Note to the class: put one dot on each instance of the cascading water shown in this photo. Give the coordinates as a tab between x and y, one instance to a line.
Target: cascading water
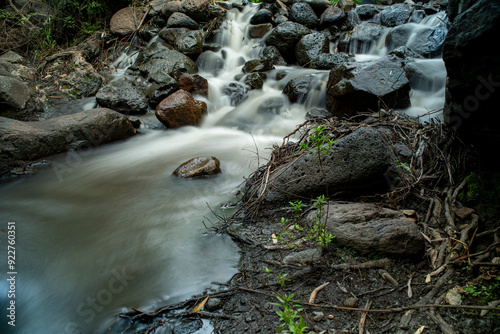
119	231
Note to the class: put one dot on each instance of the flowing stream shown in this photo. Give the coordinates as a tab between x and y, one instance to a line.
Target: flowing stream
119	231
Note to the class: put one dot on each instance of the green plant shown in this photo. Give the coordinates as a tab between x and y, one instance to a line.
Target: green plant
282	279
483	292
296	207
318	233
289	314
473	190
318	141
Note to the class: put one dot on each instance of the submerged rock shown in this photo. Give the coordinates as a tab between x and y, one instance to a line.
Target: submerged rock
198	167
285	36
299	87
370	228
34	140
310	47
180	109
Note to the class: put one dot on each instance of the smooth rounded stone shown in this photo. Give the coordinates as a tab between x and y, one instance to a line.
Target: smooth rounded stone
198	167
366	12
34	140
353	88
13	93
166	61
213	304
196	9
181	20
237	92
318	113
122	96
273	54
351	302
210	62
356	164
259	30
194	84
254	80
319	6
272	105
126	21
333	16
170	8
303	13
285	36
180	109
302	257
396	14
262	16
12	57
299	87
370	228
327	61
170	35
190	43
310	47
257	65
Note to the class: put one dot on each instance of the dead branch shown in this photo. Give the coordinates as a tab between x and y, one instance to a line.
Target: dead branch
312	298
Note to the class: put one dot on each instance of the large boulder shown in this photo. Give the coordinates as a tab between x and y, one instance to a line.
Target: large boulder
298	88
34	140
310	47
396	14
164	61
194	84
180	109
425	41
122	96
285	36
327	61
196	9
333	16
14	94
361	87
370	228
126	21
472	91
199	167
303	13
190	43
181	20
359	162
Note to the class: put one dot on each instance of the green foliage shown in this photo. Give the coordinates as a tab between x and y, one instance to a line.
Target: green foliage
318	141
290	319
296	207
318	232
483	292
473	189
282	279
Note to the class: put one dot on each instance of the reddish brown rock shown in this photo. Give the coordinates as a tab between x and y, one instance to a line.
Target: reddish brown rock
180	109
125	21
197	167
194	83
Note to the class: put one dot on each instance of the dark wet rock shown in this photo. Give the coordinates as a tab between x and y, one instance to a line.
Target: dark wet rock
210	62
303	14
170	8
257	65
148	52
14	94
285	36
428	42
361	38
333	16
224	4
165	61
170	35
319	6
272	105
370	228
259	30
180	109
360	87
157	92
213	304
188	326
34	140
318	113
190	43
304	256
396	14
405	53
472	90
310	47
194	84
196	9
157	6
417	16
327	61
366	12
126	21
217	11
262	16
357	163
198	167
122	96
298	88
237	92
181	20
254	80
273	54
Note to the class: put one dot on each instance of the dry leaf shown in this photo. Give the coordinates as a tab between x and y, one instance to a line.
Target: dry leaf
410	293
420	330
428	278
275	239
200	305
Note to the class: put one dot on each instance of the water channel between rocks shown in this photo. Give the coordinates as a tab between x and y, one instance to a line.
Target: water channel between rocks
119	231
